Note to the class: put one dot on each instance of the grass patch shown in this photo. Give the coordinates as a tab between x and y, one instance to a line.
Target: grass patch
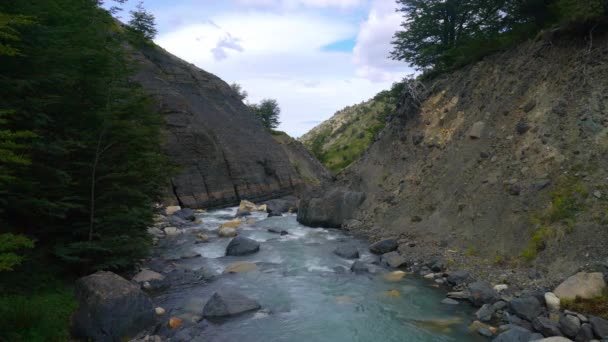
594	306
537	243
471	251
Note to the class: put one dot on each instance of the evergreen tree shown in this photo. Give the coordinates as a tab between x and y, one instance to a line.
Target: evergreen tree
143	22
267	111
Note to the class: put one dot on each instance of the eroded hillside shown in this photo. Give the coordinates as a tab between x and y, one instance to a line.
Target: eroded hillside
504	162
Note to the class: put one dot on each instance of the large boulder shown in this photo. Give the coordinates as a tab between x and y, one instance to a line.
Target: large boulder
330	211
393	259
228	303
347	252
242	246
481	292
110	308
515	334
384	246
600	326
278	206
458	277
582	284
527	308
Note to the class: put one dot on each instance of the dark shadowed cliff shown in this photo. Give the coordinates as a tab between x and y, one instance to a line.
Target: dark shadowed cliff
222	151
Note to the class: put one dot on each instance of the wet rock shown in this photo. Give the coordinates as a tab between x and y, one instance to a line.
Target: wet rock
240	213
231	224
585	333
277	207
359	267
242	246
485	332
246	205
227	232
600	326
450	301
147	275
393	259
515	334
347	252
384	246
175	322
110	308
394	276
458	277
527	308
172	231
569	325
240	267
185	214
481	292
458	295
477	130
546	326
228	303
552	301
485	313
277	231
159	311
582	284
170	210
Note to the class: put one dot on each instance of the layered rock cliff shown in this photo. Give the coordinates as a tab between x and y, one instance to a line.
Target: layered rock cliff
222	151
501	163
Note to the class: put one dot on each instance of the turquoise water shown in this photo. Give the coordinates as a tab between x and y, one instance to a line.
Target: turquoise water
306	292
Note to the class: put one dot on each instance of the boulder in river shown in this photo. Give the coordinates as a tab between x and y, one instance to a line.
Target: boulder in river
347	252
393	259
110	308
359	267
384	246
231	224
147	275
228	303
170	210
185	214
331	210
278	231
276	207
242	246
246	205
582	284
227	232
240	267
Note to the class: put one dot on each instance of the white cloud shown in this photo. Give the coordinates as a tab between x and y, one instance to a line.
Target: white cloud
371	53
279	54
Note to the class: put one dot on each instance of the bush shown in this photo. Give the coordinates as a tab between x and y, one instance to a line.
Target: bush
597	306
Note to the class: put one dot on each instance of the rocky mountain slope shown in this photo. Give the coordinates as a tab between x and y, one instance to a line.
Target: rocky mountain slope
222	151
501	166
343	138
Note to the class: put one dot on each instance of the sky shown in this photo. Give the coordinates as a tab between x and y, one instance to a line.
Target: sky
313	56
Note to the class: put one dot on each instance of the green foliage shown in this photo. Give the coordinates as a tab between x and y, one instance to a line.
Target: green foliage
40	317
597	306
80	159
441	35
239	91
267	111
143	22
9	33
10	244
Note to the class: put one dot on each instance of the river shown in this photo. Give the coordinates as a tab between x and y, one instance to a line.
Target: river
307	293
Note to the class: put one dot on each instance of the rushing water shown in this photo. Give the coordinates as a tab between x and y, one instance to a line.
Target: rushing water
306	292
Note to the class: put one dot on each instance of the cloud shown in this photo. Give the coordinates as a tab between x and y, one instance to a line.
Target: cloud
371	53
228	42
306	3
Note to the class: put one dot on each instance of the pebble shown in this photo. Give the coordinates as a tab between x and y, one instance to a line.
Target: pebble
597	194
500	287
159	311
449	301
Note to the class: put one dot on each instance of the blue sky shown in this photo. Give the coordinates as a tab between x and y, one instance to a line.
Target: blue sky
314	56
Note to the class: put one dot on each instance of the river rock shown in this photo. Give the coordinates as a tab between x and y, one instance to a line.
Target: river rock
458	277
172	231
515	334
347	252
600	326
227	232
185	214
546	326
384	246
277	207
569	325
359	267
231	224
393	259
450	301
552	301
240	267
147	275
242	246
553	339
481	292
250	206
527	308
331	210
159	311
585	333
277	231
228	303
485	313
582	284
110	308
240	213
170	210
394	276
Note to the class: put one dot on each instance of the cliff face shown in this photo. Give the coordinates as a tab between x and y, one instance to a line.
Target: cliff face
502	162
223	153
